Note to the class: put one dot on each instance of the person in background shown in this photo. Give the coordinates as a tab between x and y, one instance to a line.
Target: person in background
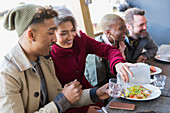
70	51
139	43
123	6
97	69
28	82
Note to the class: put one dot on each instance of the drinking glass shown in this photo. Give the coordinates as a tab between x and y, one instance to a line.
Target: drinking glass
115	88
159	81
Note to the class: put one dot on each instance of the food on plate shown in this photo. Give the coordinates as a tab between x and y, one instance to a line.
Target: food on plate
137	92
152	69
158	56
163	57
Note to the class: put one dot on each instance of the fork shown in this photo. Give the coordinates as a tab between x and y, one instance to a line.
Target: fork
123	91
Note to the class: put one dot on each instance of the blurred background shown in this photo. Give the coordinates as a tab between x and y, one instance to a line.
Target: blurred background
89	12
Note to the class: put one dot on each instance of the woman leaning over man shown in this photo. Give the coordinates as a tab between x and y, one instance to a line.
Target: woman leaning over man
70	52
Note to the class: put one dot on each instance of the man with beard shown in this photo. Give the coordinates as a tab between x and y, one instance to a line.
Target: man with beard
140	45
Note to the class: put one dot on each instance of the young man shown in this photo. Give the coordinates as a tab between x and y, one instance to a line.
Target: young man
138	41
27	79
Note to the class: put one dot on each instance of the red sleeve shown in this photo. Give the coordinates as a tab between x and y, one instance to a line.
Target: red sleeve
110	53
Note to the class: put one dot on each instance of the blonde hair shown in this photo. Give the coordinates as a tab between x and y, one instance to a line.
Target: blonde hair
108	21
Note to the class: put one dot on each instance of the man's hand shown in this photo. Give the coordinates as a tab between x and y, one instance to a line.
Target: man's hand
123	70
72	91
103	92
141	59
93	109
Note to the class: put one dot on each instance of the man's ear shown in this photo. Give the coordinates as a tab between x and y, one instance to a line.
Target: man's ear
30	34
128	26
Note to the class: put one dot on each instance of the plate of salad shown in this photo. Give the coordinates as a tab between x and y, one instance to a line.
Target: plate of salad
140	92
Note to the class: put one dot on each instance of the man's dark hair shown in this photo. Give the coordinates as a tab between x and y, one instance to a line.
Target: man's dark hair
44	13
128	16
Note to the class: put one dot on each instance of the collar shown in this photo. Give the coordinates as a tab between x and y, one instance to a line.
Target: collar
34	63
130	37
59	51
19	58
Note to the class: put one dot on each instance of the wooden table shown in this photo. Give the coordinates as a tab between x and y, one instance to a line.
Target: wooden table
159	105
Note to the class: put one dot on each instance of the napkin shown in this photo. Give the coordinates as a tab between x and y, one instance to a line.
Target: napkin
141	75
164	49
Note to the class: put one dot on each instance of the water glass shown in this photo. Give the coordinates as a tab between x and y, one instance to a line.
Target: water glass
159	81
115	88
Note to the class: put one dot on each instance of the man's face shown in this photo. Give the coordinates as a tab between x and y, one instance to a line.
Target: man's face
139	26
45	37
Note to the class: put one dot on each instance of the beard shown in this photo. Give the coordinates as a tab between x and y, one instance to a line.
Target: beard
141	34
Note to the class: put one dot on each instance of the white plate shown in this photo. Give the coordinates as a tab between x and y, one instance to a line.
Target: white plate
158	70
156	92
163	57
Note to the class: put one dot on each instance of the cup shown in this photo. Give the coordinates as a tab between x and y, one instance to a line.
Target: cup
159	81
115	88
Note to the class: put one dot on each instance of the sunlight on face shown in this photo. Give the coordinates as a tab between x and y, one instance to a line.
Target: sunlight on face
118	30
65	34
45	37
139	25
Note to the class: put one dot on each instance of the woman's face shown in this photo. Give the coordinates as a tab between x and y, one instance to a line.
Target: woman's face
65	34
118	31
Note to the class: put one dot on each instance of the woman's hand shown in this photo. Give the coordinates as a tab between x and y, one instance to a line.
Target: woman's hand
123	70
122	47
